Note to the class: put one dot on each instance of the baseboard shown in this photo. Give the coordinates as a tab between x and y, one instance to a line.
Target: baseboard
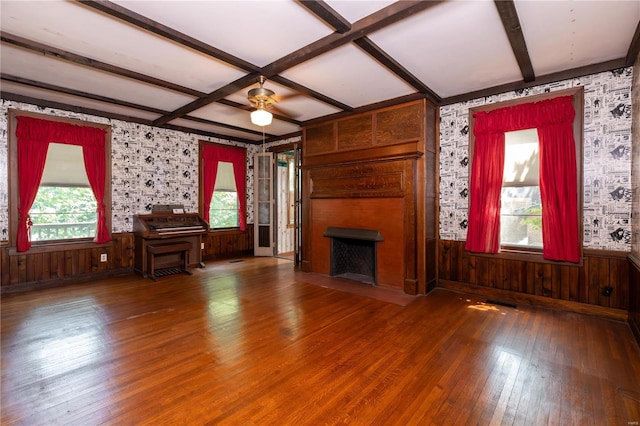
58	282
535	301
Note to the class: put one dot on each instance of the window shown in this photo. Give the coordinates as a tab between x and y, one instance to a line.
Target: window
510	207
222	185
521	208
65	207
223	210
62	181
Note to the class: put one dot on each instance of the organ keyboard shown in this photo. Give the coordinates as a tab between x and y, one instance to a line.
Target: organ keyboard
167	227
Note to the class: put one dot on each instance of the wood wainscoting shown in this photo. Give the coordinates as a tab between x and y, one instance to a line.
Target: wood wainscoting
575	288
50	266
225	244
634	296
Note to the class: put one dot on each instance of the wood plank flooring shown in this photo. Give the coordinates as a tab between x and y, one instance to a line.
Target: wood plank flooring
257	343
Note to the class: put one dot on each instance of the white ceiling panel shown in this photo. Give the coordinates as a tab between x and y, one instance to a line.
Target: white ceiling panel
453	48
353	11
29	65
363	81
259	32
76	101
565	34
80	30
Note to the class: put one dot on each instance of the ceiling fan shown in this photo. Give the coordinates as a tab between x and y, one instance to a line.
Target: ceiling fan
261	98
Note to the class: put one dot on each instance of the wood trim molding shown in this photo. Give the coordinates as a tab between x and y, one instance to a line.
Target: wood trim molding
536	301
635	260
57	282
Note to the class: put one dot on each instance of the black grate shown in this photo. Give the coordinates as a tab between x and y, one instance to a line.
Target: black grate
354	259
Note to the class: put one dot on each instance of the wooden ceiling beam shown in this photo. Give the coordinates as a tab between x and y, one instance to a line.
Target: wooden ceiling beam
310	92
511	23
157	28
325	12
111	115
214	96
386	16
394	66
79	93
93	63
377	20
549	78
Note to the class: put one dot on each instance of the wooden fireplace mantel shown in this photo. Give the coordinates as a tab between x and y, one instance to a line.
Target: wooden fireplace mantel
375	170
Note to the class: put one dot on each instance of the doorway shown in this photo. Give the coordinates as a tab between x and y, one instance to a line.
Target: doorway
287	203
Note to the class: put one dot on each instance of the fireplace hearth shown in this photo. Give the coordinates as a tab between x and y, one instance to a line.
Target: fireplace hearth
354	253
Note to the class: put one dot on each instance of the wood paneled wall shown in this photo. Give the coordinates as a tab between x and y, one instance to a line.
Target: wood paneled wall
570	287
375	170
225	244
634	296
47	267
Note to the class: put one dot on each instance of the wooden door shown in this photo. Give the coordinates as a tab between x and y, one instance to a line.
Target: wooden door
263	204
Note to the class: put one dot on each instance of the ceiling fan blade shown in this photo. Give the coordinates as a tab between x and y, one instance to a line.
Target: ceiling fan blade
280	111
280	98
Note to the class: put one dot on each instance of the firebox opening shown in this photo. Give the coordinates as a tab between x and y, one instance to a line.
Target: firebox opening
353	253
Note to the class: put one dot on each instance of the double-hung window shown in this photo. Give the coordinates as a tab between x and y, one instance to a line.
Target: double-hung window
65	207
61	181
222	185
521	208
525	187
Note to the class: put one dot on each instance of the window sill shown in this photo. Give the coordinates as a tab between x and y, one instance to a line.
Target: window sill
53	246
227	231
528	254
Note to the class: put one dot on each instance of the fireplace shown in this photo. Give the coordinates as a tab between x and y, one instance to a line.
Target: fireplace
353	253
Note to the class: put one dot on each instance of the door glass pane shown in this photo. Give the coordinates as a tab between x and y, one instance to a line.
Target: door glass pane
263	190
263	213
263	167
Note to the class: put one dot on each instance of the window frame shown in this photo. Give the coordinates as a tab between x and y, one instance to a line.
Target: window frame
201	145
14	196
577	93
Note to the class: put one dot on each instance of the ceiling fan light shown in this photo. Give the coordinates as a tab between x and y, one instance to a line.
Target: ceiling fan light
261	117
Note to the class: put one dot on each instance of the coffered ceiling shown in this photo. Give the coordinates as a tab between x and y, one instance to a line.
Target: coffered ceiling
188	65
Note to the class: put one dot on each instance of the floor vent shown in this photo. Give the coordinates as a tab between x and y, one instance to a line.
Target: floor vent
236	261
500	303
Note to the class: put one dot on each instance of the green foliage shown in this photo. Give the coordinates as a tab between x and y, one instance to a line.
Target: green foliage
57	204
534	221
224	210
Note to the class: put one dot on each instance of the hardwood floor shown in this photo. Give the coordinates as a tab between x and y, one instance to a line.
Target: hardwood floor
257	343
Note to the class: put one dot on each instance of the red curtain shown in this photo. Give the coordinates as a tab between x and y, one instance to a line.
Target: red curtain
558	192
558	175
212	155
483	232
34	136
95	166
32	155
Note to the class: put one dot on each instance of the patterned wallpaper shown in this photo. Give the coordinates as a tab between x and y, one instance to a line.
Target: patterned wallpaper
149	166
607	158
635	163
